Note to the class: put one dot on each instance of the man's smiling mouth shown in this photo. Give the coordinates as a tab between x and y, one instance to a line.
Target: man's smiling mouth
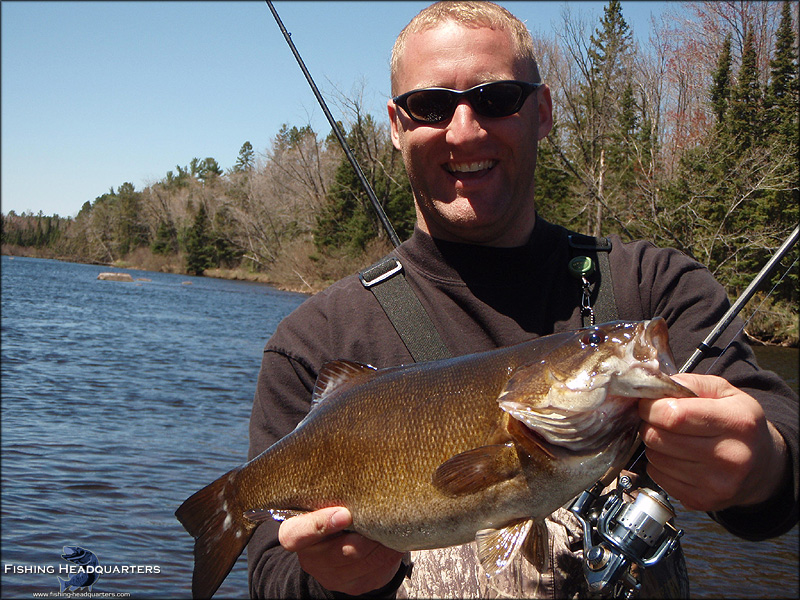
469	167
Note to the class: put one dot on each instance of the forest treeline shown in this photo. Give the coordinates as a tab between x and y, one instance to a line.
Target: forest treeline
689	140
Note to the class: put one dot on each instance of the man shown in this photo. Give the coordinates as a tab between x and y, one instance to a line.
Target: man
490	273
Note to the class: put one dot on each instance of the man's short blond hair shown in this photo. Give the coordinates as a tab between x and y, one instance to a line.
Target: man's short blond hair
468	14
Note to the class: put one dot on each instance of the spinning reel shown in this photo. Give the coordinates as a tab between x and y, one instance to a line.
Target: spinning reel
622	536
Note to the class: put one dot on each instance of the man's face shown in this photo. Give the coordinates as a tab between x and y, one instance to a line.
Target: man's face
472	176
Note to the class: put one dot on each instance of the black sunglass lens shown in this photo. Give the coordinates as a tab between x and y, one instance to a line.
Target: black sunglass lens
430	106
498	99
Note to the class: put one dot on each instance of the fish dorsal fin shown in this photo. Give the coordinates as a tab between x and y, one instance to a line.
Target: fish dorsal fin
477	469
339	375
497	547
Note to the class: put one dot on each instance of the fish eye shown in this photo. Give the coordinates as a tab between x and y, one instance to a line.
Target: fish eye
593	338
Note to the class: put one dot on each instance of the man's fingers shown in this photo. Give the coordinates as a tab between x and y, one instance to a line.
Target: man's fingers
303	531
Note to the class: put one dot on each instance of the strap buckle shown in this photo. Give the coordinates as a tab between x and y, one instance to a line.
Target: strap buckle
381	271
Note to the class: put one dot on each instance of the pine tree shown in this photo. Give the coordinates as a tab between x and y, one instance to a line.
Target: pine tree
779	205
599	129
745	121
130	233
166	239
348	221
554	198
246	161
781	98
199	244
721	86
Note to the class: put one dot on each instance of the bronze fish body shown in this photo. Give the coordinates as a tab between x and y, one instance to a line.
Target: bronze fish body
428	455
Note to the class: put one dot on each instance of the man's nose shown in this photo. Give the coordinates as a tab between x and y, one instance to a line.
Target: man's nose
465	124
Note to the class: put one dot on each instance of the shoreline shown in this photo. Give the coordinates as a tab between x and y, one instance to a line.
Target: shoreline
168	266
173	264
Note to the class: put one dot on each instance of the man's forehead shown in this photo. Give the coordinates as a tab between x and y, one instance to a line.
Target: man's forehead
442	45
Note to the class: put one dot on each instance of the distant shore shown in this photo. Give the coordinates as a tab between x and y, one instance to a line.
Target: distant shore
770	326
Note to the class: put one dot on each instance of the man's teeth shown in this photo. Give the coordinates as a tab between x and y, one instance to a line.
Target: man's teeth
470	167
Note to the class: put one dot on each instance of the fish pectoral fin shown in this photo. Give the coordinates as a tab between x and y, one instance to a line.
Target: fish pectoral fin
536	548
497	547
258	515
477	469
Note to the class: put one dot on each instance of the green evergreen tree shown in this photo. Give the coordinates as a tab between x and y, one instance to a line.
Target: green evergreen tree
553	183
223	231
246	160
721	86
781	101
746	109
599	128
734	198
131	232
782	97
166	241
199	244
621	154
348	221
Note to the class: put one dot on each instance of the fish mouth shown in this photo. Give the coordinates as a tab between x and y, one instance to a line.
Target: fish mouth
650	364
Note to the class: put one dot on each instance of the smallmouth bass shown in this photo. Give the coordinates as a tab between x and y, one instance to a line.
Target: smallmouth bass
428	455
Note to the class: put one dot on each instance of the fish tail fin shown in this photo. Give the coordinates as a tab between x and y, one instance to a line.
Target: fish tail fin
221	531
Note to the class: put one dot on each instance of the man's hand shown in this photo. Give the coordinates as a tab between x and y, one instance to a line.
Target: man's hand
714	451
340	561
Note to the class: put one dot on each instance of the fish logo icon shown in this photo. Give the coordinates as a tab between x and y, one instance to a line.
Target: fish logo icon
87	573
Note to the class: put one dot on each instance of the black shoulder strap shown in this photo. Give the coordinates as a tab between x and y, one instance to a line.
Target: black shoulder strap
386	281
604	303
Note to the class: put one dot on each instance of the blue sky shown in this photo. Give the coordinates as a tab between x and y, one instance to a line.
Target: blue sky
95	94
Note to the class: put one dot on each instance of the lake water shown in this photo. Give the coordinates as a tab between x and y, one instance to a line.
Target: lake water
121	399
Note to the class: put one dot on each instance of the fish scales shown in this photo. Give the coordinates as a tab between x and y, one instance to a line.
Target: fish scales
435	454
377	462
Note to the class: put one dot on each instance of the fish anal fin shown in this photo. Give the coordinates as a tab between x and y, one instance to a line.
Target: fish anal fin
497	547
536	548
258	515
477	469
339	375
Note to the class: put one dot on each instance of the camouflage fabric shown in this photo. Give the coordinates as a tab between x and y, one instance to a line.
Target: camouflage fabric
455	573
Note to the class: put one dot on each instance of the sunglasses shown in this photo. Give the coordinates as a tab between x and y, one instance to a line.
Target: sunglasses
495	99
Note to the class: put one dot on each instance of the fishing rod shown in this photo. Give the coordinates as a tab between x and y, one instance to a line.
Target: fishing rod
367	187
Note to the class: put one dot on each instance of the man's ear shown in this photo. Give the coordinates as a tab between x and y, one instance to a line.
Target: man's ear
545	108
394	119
